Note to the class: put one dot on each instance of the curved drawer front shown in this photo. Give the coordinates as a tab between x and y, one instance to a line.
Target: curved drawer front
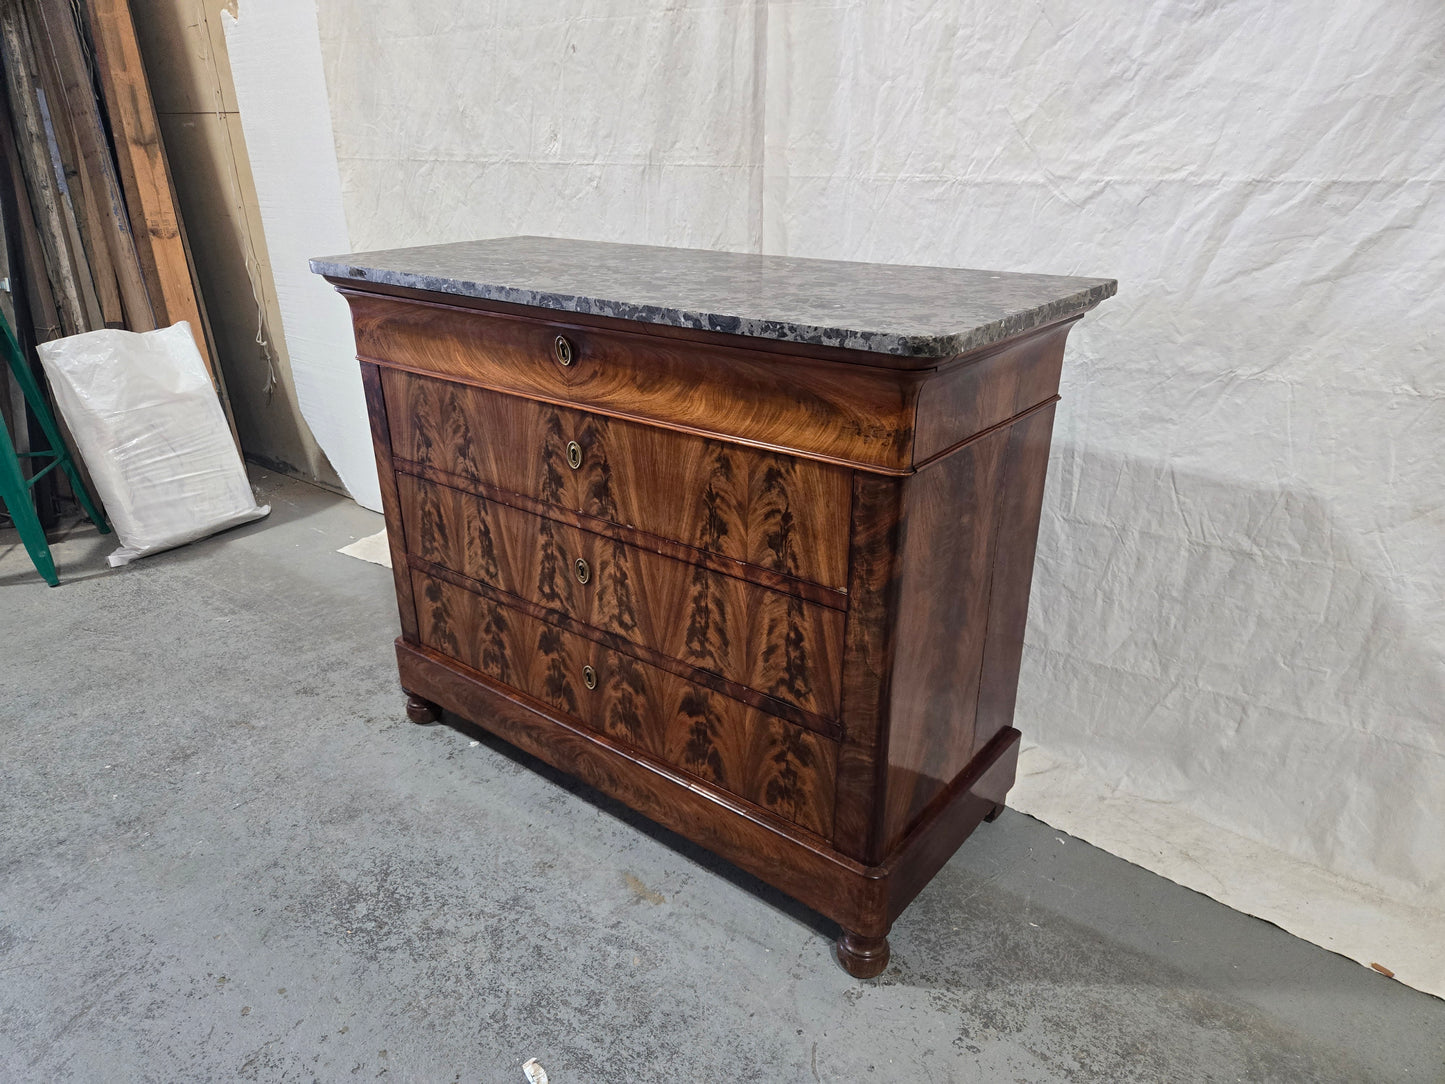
771	642
758	757
777	512
851	412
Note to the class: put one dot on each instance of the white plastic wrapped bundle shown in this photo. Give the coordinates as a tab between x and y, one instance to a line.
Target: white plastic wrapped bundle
147	422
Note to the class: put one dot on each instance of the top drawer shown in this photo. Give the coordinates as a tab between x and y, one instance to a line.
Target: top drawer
777	512
847	411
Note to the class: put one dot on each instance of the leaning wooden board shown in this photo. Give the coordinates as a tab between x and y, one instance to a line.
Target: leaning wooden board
743	541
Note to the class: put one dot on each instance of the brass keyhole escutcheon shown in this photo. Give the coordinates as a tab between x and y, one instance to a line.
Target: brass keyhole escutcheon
583	572
574	454
589	677
563	349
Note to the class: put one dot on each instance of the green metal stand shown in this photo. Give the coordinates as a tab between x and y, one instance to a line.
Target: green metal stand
15	488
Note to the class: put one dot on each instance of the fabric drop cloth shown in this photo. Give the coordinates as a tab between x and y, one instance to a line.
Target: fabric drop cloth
1235	664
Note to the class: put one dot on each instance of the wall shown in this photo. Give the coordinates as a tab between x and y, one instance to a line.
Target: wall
190	80
1239	606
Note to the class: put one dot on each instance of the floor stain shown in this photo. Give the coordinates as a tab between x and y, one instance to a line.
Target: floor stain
641	891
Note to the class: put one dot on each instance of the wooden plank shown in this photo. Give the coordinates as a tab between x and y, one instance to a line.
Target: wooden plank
73	76
65	145
35	162
62	161
144	176
102	268
28	270
34	309
185	54
12	403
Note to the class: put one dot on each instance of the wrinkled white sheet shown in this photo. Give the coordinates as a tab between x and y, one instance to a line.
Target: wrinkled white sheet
1239	606
275	59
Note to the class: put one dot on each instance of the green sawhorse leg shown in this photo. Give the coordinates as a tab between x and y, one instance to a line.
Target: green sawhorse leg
15	488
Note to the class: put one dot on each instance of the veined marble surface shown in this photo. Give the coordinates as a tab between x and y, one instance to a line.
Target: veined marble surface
884	308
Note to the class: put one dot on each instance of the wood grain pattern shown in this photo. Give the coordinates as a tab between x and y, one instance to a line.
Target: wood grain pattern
30	139
785	514
774	643
938	601
948	555
829	728
145	176
983	391
832	597
855	414
81	105
868	661
776	765
1018	507
391	508
949	819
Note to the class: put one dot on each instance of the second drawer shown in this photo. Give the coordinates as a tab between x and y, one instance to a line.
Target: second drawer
775	511
769	641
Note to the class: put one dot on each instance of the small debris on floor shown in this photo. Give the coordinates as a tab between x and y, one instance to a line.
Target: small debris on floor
535	1073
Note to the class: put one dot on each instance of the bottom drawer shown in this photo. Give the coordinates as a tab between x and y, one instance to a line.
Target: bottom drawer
779	766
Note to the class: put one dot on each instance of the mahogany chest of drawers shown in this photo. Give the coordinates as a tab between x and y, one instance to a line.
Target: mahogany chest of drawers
742	541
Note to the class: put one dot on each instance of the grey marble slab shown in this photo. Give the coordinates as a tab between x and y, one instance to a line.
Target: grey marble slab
884	308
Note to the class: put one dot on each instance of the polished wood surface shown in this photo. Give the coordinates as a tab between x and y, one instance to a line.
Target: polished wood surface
780	767
991	390
390	506
1018	507
947	564
869	654
420	710
784	514
774	599
772	642
861	956
834	597
856	414
829	728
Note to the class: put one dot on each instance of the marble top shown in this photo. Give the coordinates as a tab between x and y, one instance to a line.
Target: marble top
885	308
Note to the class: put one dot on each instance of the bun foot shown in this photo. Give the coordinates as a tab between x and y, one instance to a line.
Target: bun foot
862	957
992	814
421	710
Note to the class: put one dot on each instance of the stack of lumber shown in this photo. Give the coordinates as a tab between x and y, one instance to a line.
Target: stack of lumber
93	237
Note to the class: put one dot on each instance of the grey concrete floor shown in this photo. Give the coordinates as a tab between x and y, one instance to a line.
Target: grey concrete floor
226	855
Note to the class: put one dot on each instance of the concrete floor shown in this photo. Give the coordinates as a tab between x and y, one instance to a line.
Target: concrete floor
226	855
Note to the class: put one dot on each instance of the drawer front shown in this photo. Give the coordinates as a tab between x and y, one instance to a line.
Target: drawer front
850	411
772	642
777	512
758	757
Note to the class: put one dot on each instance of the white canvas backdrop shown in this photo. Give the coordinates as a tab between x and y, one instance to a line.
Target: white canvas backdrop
1234	669
276	62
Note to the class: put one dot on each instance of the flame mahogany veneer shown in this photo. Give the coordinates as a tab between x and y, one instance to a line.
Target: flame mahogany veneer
771	595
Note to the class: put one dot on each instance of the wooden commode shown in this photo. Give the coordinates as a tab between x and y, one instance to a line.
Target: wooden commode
742	541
